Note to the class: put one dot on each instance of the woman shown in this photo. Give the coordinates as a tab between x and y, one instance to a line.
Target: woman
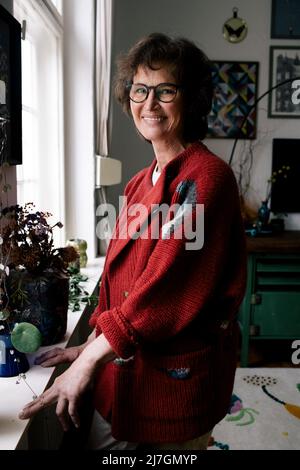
163	355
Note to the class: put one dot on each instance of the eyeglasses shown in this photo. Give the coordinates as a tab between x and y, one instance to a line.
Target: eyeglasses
165	92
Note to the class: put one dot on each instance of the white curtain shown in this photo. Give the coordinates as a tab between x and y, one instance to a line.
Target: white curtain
103	73
103	37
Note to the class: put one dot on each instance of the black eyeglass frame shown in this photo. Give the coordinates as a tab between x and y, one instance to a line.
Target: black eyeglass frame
149	88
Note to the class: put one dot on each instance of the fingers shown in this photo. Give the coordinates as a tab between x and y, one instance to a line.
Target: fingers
35	406
65	412
52	361
57	356
62	413
53	354
73	413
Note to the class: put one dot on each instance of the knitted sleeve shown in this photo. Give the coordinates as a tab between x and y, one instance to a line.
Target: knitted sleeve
177	283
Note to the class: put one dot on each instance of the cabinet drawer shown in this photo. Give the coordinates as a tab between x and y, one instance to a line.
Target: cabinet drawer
289	281
277	272
278	314
278	265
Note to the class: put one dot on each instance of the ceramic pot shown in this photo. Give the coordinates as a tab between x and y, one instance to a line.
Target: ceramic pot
81	246
41	300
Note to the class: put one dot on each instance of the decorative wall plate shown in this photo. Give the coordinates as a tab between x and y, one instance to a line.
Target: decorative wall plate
235	29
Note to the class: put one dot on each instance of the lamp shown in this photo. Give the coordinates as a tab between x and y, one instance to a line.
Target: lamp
263	212
108	171
289	80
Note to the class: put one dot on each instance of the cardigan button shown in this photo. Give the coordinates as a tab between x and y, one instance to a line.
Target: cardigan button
126	293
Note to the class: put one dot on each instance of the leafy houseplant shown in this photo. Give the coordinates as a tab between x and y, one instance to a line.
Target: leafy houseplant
78	294
33	278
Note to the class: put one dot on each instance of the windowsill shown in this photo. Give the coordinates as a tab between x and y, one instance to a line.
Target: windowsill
15	396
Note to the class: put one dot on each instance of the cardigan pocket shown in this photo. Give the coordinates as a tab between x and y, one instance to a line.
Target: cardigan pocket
177	386
182	366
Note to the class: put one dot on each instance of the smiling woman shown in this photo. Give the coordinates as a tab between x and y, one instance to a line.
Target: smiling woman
163	355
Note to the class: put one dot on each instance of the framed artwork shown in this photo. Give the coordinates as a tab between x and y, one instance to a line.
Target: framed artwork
284	66
285	23
10	90
235	92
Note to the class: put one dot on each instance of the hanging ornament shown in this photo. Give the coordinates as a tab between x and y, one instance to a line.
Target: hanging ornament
235	29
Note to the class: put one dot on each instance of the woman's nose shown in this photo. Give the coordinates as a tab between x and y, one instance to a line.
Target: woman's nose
151	101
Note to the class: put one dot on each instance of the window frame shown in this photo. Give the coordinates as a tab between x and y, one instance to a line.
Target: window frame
51	17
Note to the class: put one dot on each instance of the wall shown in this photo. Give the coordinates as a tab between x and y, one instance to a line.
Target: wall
201	21
79	120
8	4
10	172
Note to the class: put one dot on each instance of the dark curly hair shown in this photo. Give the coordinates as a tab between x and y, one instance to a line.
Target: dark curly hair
191	69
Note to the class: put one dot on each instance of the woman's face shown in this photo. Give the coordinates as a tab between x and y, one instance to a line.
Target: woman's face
157	121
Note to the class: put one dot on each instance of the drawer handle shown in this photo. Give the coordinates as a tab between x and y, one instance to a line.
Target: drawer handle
255	299
254	330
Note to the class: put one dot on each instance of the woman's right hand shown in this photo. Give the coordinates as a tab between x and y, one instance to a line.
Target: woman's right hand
57	356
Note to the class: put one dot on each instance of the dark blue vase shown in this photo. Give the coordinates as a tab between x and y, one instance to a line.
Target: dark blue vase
12	362
264	213
44	303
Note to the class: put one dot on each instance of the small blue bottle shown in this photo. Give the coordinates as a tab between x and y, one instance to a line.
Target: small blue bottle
264	213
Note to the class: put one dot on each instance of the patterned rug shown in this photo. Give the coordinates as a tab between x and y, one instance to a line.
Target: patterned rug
264	412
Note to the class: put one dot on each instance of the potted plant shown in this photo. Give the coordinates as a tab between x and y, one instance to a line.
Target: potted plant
34	283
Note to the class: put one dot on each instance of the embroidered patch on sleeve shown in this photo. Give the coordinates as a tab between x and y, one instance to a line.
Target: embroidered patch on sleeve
187	195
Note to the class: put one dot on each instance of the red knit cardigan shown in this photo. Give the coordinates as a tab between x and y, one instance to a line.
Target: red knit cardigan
171	312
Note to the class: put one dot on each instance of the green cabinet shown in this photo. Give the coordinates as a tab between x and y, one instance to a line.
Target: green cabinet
271	306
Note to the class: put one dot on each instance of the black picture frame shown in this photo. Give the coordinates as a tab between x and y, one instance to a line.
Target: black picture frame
285	21
10	90
235	92
284	65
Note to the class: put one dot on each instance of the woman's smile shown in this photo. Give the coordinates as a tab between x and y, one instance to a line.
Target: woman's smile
153	119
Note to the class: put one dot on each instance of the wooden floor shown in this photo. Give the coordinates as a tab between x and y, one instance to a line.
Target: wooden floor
271	353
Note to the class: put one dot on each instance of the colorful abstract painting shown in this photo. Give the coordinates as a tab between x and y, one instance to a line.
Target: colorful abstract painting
235	91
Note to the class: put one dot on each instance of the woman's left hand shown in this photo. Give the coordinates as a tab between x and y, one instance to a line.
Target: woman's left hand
69	387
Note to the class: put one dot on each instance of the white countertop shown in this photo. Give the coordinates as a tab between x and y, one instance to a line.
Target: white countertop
14	396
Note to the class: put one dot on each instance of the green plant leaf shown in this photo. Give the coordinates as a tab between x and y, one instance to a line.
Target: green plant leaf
26	337
77	293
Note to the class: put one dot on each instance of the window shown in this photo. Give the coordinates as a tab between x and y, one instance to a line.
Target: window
41	177
58	5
